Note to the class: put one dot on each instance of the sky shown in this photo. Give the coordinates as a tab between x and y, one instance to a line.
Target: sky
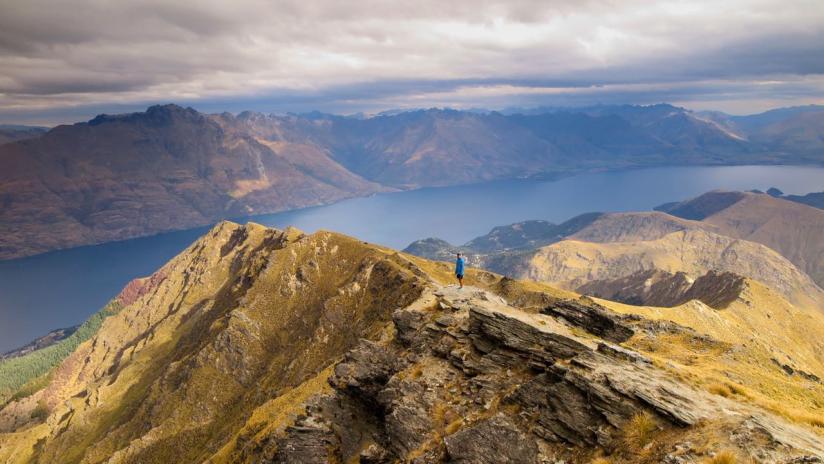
69	60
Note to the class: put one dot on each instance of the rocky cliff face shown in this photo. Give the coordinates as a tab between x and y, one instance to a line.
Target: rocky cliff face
665	289
472	379
259	345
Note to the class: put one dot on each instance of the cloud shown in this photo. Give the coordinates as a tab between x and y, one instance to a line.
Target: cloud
66	58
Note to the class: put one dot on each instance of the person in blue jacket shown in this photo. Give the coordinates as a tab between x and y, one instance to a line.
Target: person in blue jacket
459	269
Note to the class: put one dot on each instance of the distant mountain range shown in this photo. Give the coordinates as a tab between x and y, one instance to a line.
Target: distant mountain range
123	176
13	133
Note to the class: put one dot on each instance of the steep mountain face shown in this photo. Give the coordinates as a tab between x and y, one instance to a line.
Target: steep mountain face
243	315
801	133
260	345
756	123
665	289
695	135
422	148
797	129
792	229
117	177
443	147
704	206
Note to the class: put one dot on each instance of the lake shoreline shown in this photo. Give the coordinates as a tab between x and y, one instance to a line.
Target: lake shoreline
541	177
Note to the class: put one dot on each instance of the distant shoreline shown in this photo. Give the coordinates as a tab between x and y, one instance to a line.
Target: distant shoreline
543	177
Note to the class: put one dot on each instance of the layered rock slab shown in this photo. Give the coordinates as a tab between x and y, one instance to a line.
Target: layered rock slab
472	379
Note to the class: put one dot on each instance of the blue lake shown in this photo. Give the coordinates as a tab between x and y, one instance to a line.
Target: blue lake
62	288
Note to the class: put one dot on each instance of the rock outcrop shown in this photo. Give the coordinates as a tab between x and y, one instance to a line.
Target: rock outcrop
665	289
476	380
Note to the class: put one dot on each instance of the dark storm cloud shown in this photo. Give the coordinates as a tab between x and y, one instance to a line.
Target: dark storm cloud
73	56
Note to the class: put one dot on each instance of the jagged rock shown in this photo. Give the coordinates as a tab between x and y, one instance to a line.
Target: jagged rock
365	370
622	353
654	287
409	403
373	454
407	323
715	289
492	441
789	370
308	443
591	317
491	329
563	412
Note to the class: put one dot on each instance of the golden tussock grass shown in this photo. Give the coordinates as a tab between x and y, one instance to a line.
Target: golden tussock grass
728	390
737	362
724	457
639	431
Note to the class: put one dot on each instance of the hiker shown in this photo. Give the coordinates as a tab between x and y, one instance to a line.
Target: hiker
459	269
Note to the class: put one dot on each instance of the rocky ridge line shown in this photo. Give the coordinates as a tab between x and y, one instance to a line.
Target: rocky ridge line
471	379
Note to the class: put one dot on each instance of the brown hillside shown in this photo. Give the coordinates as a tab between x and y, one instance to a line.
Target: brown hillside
572	263
118	177
794	230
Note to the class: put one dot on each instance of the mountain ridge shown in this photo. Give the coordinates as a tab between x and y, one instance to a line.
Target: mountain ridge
259	344
791	228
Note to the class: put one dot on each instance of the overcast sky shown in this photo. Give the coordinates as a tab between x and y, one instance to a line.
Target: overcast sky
63	61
